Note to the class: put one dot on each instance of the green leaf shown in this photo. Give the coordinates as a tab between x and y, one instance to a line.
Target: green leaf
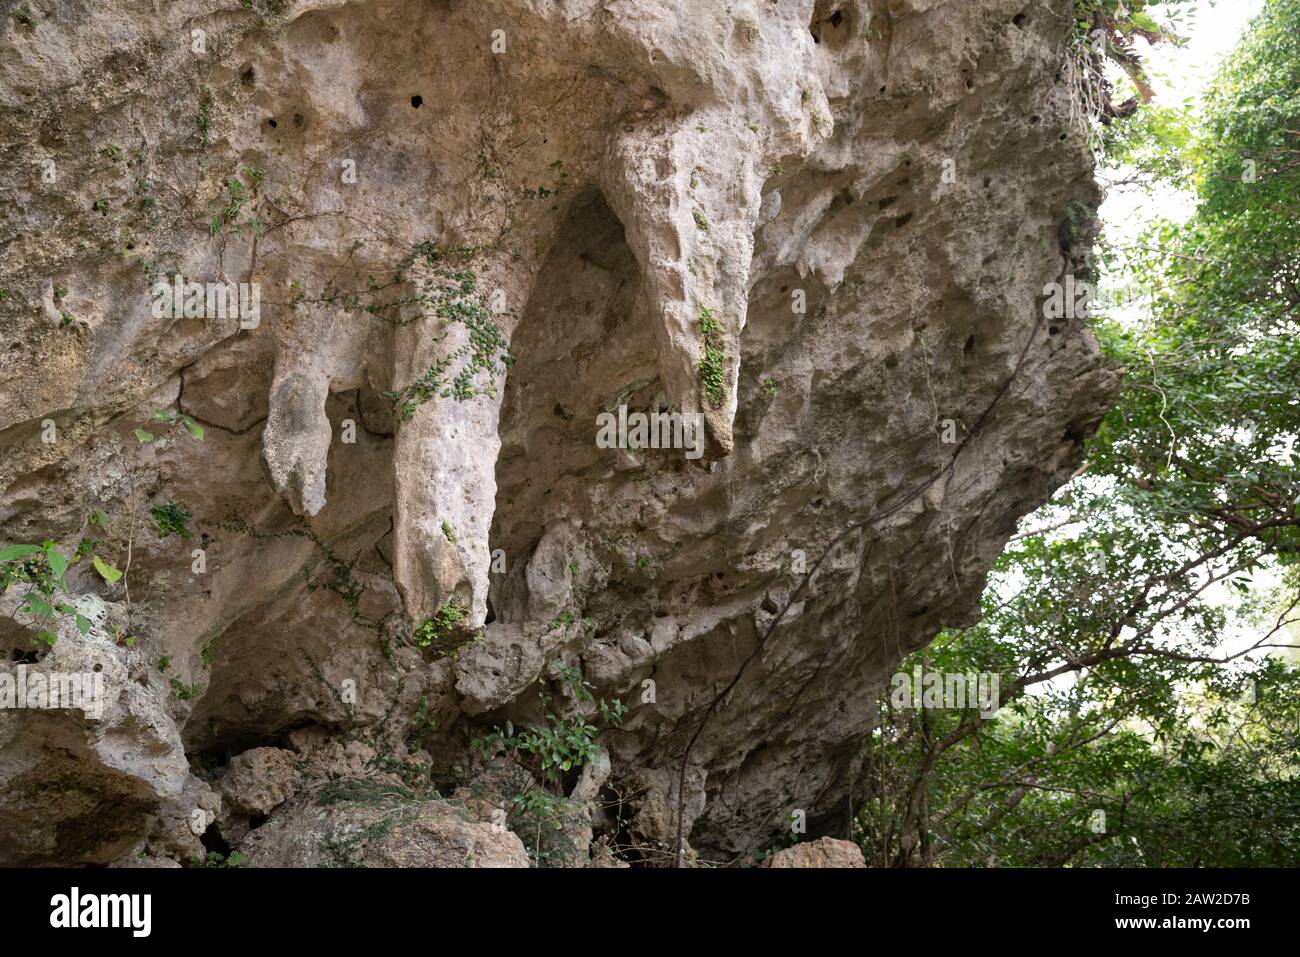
144	437
58	564
12	552
164	415
99	517
83	624
107	571
192	427
38	606
48	637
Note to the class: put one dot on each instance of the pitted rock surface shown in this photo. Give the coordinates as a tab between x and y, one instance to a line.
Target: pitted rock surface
866	198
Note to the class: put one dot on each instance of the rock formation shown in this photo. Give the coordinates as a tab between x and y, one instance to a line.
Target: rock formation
455	234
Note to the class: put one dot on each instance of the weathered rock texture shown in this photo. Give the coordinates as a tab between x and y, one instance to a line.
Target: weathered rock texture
823	852
866	196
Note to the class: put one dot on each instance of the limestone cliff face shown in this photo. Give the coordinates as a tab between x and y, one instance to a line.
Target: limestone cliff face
824	226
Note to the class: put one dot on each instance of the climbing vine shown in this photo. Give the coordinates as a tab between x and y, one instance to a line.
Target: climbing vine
451	295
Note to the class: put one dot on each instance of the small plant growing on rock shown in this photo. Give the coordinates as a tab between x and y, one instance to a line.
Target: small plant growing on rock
203	119
41	569
712	358
454	297
564	743
563	620
208	653
217	859
441	631
168	417
183	692
171	519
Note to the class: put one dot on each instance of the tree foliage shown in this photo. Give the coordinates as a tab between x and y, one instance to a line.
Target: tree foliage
1143	627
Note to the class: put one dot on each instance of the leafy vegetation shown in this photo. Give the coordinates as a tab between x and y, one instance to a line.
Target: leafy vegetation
563	743
171	519
713	361
451	294
1143	628
217	859
445	633
39	570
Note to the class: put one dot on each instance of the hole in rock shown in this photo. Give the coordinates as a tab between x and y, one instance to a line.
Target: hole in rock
417	101
212	841
831	28
1018	20
272	123
969	346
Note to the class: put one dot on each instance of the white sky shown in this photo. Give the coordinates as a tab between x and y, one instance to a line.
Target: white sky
1184	72
1178	74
